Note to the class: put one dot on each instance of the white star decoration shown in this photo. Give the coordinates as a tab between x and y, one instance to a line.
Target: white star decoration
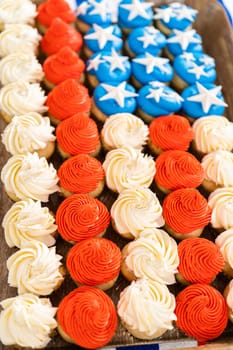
151	62
207	98
117	93
188	56
162	91
198	71
155	94
102	35
165	14
207	60
99	8
94	62
184	38
186	13
116	61
137	8
149	37
82	8
175	10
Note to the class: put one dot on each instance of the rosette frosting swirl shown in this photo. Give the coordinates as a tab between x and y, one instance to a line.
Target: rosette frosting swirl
200	260
88	316
80	217
178	169
67	99
28	176
20	11
27	321
229	298
81	174
128	167
94	261
51	9
26	221
135	210
201	312
225	243
35	269
186	210
221	203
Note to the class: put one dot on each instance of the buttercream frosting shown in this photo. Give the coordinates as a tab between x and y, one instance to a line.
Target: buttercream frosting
180	41
94	12
225	243
51	9
135	13
221	203
15	12
229	298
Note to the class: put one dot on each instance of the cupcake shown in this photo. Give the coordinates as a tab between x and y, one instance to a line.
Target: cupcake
81	174
29	132
225	243
186	213
28	176
21	97
122	128
80	217
58	35
218	167
51	9
169	133
112	98
147	68
32	327
78	134
212	133
145	39
156	99
128	167
135	210
20	66
94	262
107	66
146	309
64	64
35	269
192	67
91	313
153	248
201	312
228	296
202	100
200	261
177	169
27	221
104	38
17	12
66	99
221	203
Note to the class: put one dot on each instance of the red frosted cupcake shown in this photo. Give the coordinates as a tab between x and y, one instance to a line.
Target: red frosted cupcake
87	317
81	217
67	99
78	134
172	132
201	312
176	170
63	65
94	262
81	174
200	261
186	213
51	9
58	35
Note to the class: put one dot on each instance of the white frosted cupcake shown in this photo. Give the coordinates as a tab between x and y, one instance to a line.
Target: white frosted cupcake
29	133
20	11
27	321
27	220
128	167
135	210
28	176
21	97
146	309
221	203
225	243
124	128
228	294
153	255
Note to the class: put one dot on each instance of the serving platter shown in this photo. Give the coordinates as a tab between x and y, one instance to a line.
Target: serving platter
213	26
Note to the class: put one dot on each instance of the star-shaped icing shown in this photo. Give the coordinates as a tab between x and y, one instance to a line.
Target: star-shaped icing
186	13
162	91
117	93
149	37
82	8
137	8
184	38
174	95
207	97
93	63
151	62
198	71
164	14
116	61
207	60
156	94
188	56
99	8
102	35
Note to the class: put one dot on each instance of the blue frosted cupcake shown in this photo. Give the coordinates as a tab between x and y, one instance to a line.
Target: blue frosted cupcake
147	68
107	66
192	67
91	12
174	16
134	13
111	98
179	42
157	99
102	38
145	39
203	100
